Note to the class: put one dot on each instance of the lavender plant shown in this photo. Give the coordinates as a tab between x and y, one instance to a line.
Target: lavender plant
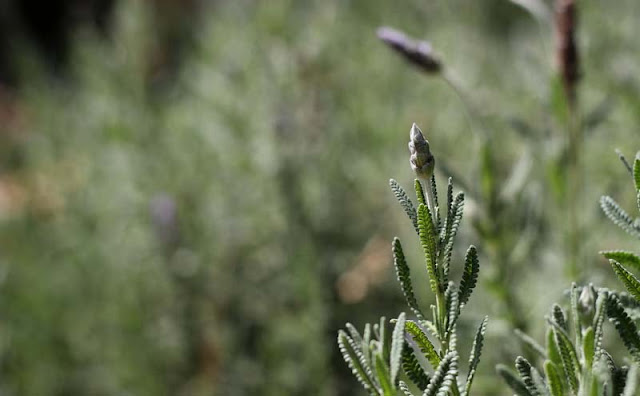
575	361
386	362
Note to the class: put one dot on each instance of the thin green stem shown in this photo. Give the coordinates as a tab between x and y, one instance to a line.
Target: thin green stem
574	195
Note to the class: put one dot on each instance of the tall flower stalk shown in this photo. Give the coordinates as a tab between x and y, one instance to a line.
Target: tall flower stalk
388	362
568	63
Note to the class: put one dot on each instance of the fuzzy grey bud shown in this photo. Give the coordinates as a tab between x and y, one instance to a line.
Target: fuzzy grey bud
422	161
587	304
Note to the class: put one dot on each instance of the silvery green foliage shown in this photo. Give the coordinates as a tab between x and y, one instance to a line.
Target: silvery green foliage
574	361
623	262
397	364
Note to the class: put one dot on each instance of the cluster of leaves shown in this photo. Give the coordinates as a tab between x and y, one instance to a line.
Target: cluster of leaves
378	363
621	260
577	363
574	361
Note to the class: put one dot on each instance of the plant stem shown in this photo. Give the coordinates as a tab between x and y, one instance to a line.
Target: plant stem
574	184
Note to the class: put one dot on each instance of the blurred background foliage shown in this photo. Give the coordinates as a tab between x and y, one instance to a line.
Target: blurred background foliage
194	198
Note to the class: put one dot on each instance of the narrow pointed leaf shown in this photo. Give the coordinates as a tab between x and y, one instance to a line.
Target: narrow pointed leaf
619	216
625	326
385	340
412	368
625	258
436	207
470	275
363	374
574	314
428	242
453	306
531	343
524	370
628	279
552	348
598	325
553	378
419	192
588	346
560	317
405	388
404	277
405	202
443	376
474	357
636	173
397	345
514	382
382	372
570	364
353	333
423	342
451	230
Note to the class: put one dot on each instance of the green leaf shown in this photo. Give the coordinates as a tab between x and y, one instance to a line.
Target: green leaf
553	378
625	326
570	363
454	216
588	346
446	226
618	216
405	202
436	210
419	192
574	314
515	383
533	344
539	382
636	173
382	372
354	359
476	351
405	388
560	317
397	345
524	369
444	376
385	340
353	332
453	307
423	342
428	242
404	277
413	369
469	276
623	257
598	325
552	348
630	282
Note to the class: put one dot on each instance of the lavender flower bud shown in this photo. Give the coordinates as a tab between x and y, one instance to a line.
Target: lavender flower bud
422	161
587	304
419	53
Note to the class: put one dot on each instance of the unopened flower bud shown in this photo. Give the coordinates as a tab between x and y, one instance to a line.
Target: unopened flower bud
419	53
587	304
422	161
